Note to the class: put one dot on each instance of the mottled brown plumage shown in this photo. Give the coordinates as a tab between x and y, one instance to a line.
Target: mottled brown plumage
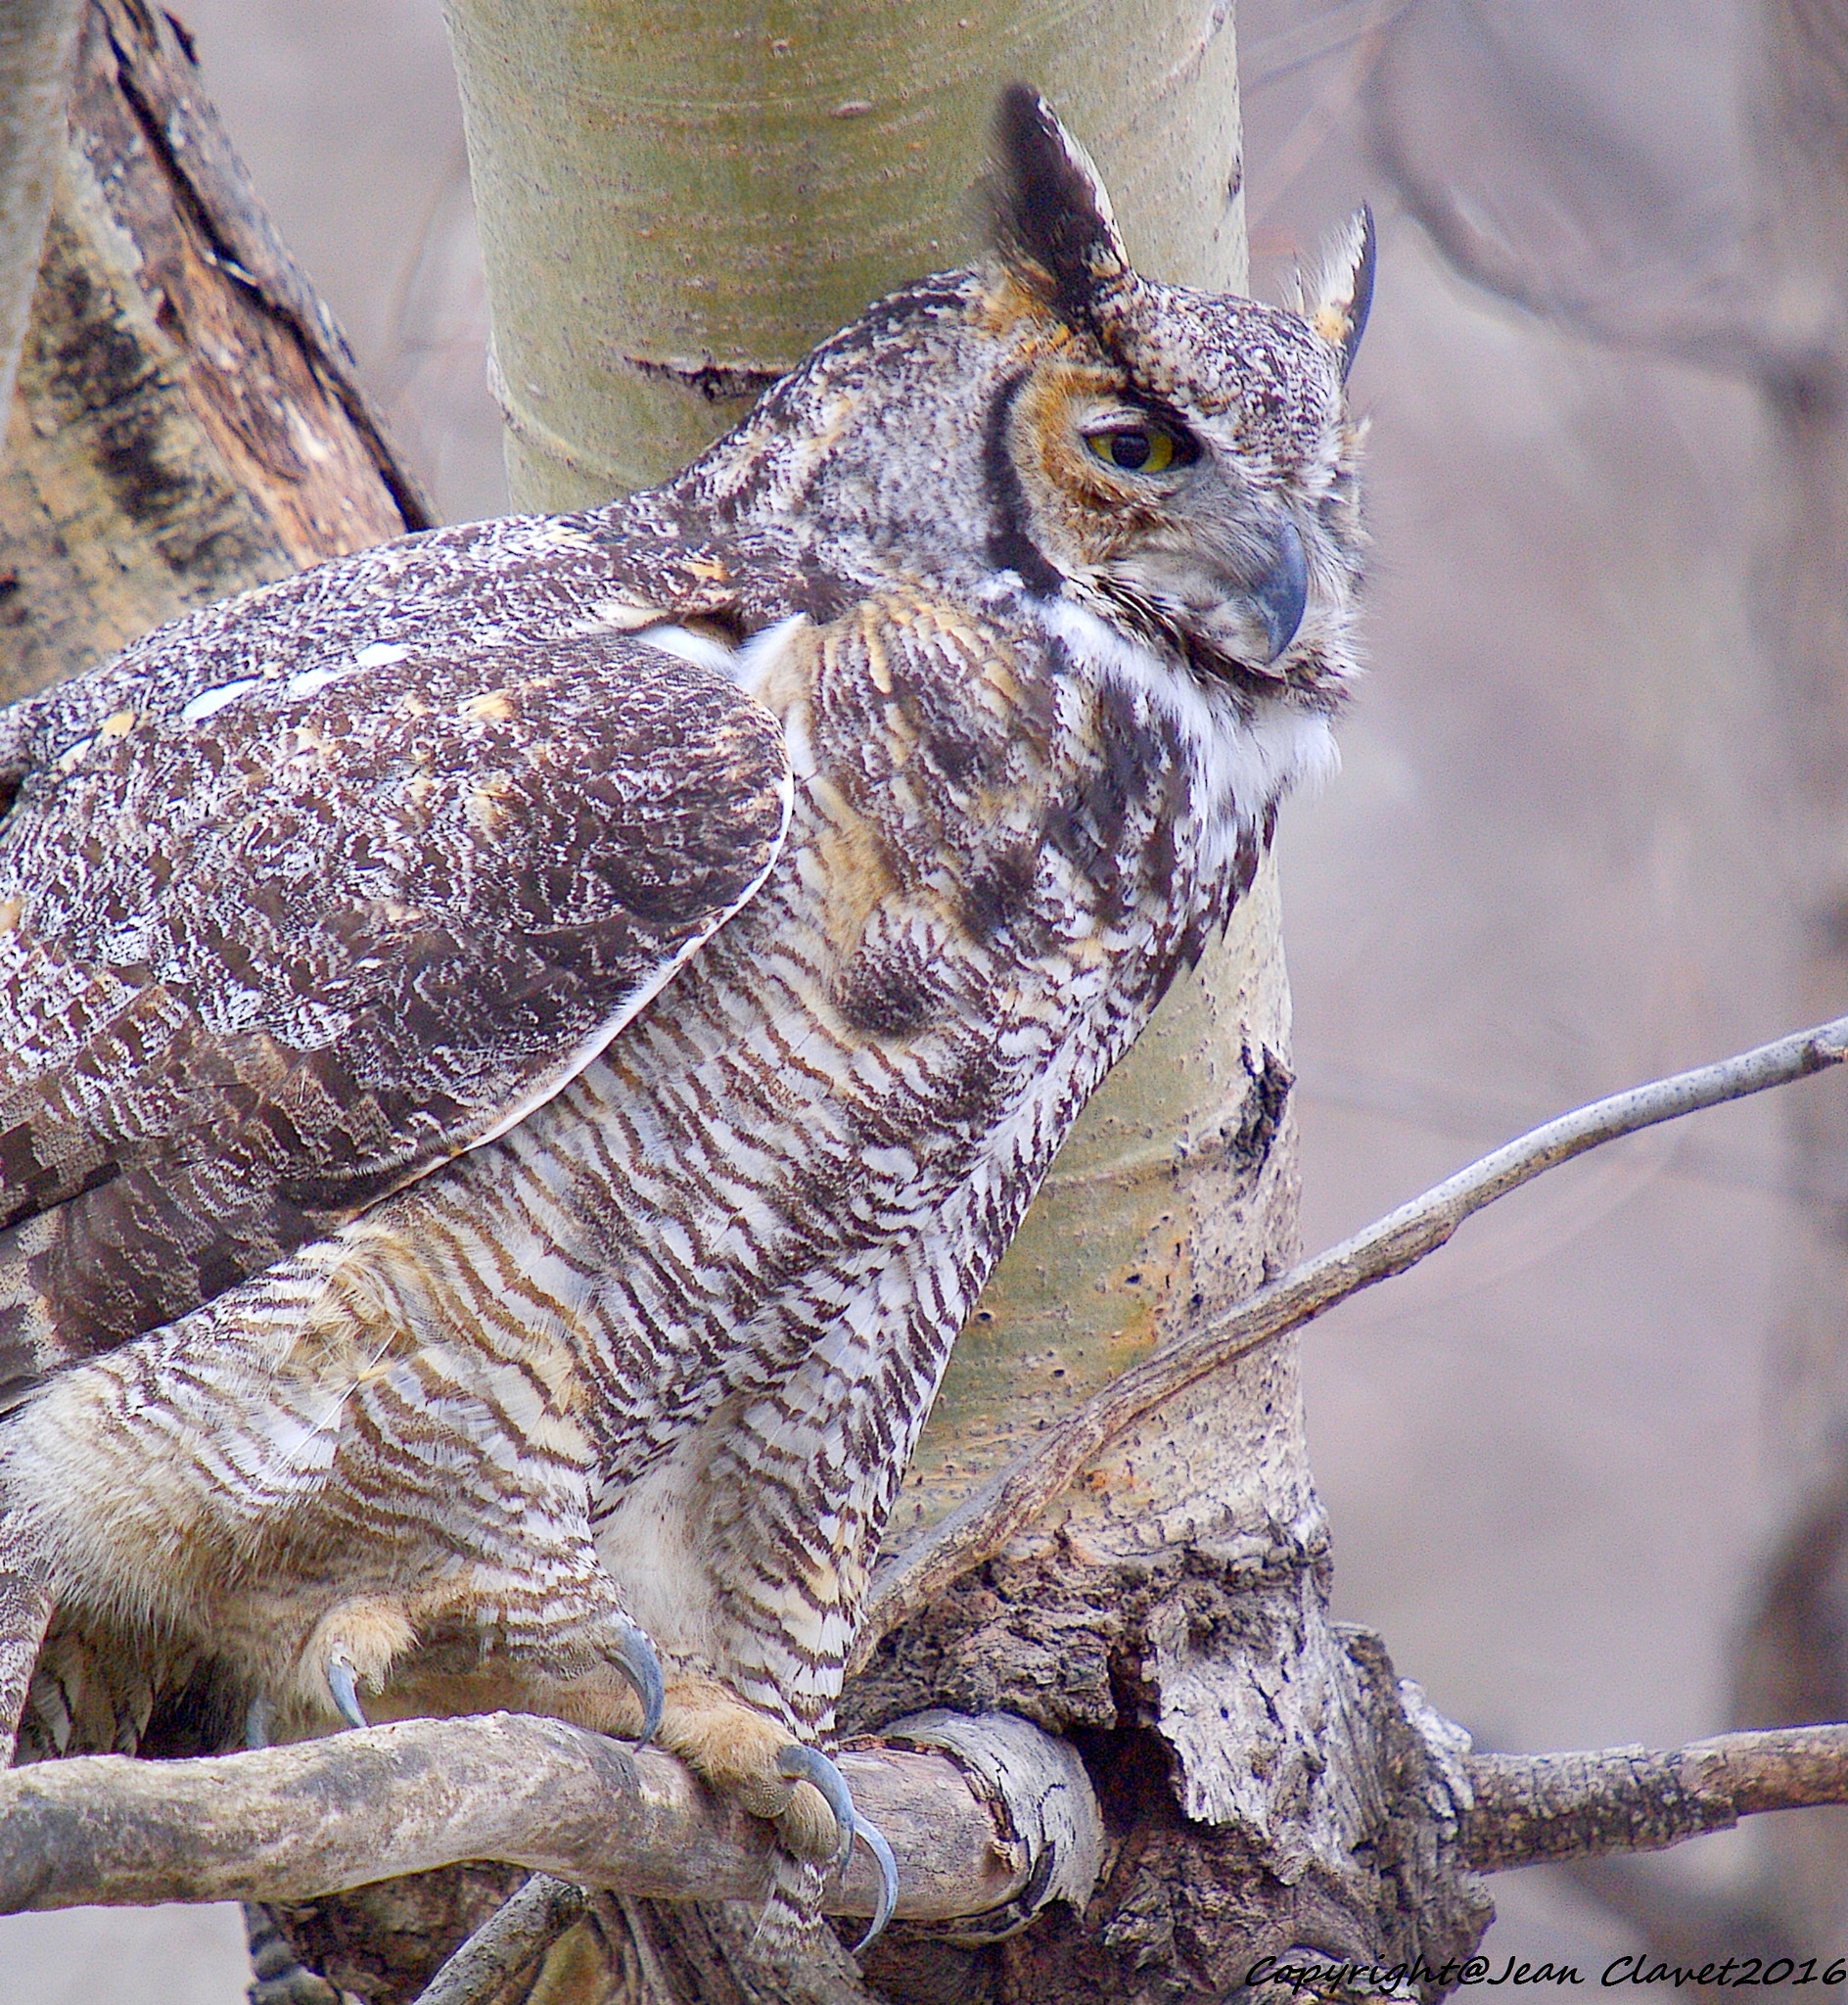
278	951
529	1041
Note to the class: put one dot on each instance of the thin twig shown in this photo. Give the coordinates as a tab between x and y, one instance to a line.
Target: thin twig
519	1929
1532	1809
1006	1506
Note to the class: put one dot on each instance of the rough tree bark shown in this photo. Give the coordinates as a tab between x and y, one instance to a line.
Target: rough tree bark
186	421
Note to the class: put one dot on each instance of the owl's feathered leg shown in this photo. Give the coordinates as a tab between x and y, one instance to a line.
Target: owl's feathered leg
27	1606
580	1655
358	1639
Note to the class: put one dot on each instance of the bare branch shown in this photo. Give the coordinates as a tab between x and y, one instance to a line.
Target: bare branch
980	1527
1532	1809
531	1921
972	1831
986	1838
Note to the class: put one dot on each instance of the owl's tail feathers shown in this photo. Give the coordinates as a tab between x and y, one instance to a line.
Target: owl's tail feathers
27	1606
789	1925
281	1977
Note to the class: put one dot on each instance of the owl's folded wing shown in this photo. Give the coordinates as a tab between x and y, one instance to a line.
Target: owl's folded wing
270	954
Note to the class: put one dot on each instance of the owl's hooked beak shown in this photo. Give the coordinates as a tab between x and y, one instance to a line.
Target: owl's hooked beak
1280	596
1249	622
1226	621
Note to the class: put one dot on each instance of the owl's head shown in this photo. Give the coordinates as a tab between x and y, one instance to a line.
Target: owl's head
1184	462
1169	467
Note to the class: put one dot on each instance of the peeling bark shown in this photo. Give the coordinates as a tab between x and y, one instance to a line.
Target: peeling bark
186	421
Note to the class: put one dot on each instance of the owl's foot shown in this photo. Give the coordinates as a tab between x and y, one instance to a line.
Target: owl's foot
343	1680
581	1660
748	1757
635	1656
357	1641
810	1765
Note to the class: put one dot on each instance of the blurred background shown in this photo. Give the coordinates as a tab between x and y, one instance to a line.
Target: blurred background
1583	1465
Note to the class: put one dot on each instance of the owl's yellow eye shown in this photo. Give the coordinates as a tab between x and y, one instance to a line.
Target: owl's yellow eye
1145	448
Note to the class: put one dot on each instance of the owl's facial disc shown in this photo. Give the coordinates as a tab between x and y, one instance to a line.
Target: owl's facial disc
1152	517
1232	608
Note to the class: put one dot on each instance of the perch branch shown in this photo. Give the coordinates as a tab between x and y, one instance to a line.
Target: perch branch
1008	1505
973	1833
985	1838
1533	1809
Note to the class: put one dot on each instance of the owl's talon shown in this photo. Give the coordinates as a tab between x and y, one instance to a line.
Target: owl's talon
874	1839
342	1682
636	1659
797	1763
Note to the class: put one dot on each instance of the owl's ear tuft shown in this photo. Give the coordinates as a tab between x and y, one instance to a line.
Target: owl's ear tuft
1345	295
1049	214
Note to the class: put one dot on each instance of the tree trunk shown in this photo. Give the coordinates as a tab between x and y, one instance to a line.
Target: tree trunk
678	201
186	422
38	42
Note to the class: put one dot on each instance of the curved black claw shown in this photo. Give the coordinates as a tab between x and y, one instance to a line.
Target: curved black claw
345	1690
636	1659
874	1839
810	1765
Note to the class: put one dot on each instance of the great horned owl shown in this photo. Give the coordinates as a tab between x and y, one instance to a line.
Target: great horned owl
523	1045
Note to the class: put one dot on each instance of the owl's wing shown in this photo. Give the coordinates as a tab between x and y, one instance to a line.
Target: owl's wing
274	952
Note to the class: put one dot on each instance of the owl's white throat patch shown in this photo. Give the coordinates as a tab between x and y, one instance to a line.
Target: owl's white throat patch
1249	755
744	664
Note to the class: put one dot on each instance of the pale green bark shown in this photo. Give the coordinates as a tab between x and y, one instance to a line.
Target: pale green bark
675	187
